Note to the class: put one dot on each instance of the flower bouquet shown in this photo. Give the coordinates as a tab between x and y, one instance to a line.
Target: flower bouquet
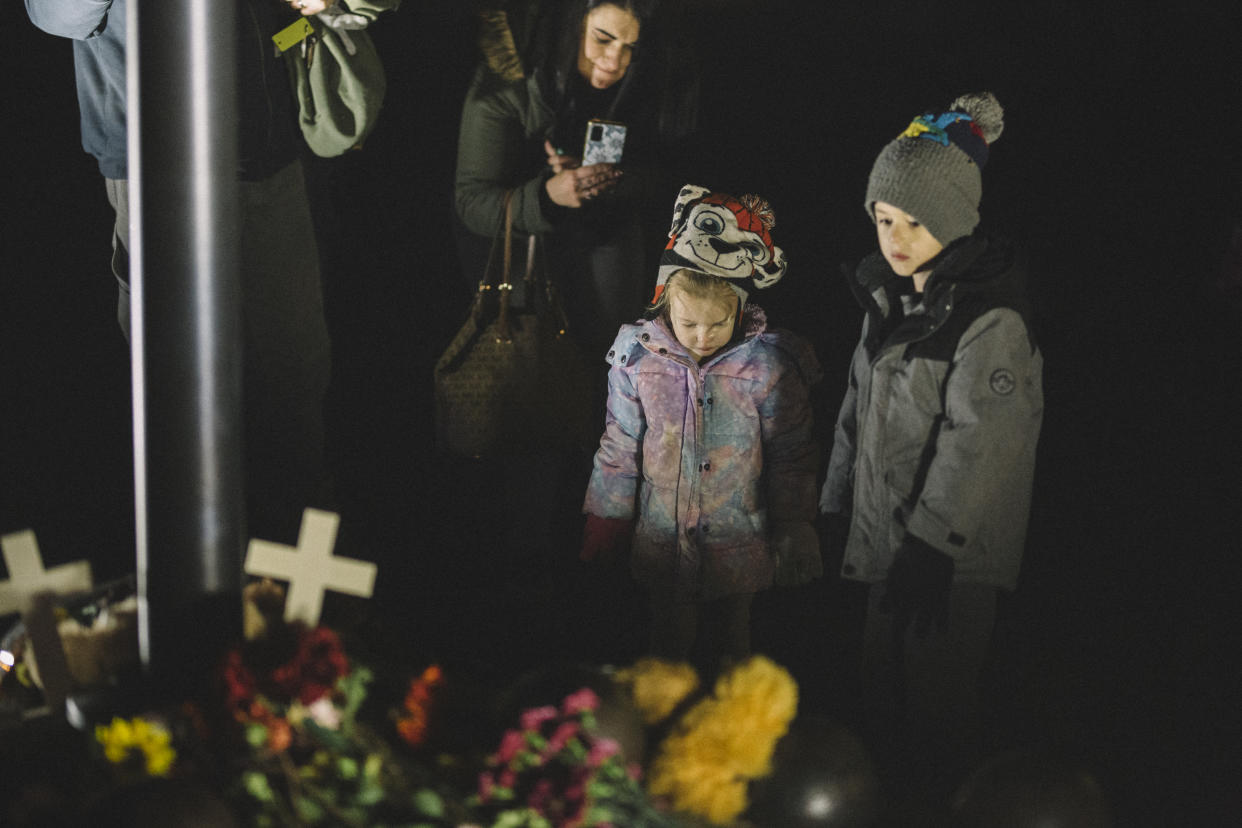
287	737
557	770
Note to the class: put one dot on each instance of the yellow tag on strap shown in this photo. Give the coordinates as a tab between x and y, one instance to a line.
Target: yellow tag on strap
293	34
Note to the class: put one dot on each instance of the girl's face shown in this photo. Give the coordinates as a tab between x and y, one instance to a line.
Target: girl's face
702	326
607	45
905	243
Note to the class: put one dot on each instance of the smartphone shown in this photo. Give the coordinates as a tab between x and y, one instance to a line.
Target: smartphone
605	141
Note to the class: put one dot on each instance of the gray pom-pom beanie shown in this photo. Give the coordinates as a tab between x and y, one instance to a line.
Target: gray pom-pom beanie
933	169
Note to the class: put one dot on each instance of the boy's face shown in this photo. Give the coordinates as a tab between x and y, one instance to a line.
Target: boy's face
906	244
702	326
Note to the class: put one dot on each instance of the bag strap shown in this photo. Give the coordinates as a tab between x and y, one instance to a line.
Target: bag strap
556	309
491	280
503	333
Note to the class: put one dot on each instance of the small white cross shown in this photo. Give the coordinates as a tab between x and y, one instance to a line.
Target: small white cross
310	568
28	577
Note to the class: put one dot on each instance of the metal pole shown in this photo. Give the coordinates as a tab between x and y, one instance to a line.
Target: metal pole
185	340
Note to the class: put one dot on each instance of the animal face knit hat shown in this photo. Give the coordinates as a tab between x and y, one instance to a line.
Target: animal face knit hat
722	235
932	170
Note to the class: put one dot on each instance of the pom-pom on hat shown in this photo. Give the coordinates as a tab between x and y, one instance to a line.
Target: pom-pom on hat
932	170
722	235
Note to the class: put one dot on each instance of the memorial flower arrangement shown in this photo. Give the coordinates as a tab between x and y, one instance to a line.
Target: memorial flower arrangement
286	733
288	743
557	770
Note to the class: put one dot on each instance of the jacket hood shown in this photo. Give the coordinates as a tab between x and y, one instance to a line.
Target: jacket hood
654	336
973	264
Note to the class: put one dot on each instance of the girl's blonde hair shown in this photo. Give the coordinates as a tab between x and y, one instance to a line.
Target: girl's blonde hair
695	285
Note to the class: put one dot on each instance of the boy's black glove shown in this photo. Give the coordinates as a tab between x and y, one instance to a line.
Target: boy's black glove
834	530
917	587
795	546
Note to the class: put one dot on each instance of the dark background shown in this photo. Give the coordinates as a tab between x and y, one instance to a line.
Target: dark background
1118	168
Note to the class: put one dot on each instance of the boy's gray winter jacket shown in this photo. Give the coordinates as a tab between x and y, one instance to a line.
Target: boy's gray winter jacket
937	432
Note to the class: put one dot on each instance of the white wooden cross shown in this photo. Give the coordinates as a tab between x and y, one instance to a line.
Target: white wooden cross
310	568
27	577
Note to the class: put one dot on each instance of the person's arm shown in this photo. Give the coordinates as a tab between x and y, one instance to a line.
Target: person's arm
993	410
76	19
837	495
790	463
614	479
790	453
491	149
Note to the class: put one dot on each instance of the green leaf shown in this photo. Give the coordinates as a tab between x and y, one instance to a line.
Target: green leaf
354	688
256	735
347	767
428	803
370	793
256	784
308	810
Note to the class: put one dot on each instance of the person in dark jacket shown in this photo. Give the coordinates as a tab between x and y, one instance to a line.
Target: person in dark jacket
705	472
930	476
285	337
551	67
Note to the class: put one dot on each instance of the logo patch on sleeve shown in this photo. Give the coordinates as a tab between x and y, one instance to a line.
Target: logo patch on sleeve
1002	382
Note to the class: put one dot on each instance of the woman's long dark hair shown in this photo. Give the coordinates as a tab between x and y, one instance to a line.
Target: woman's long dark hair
662	78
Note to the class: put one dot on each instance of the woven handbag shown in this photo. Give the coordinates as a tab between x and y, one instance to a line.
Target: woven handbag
513	381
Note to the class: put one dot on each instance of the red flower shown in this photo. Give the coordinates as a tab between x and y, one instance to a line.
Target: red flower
239	682
418	702
315	667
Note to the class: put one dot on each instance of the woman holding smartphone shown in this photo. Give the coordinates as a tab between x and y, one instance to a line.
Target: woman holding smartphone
550	67
553	68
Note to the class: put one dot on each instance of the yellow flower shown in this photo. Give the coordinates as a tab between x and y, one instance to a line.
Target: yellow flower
122	738
724	741
658	686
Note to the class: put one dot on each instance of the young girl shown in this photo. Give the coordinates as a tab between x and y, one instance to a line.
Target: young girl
934	451
706	469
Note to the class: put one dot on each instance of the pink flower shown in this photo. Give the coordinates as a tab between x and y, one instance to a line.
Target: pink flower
575	791
485	786
510	744
532	719
540	796
602	750
507	778
583	700
563	733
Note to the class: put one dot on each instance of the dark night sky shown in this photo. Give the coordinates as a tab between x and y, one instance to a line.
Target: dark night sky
1118	168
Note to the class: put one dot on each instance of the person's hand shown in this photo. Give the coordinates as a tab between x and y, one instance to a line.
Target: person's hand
834	530
558	161
917	587
605	540
574	187
795	545
306	8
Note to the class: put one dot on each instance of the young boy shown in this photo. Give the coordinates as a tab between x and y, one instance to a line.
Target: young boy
934	448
